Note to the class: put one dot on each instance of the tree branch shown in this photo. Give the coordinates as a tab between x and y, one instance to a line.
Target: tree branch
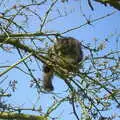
11	116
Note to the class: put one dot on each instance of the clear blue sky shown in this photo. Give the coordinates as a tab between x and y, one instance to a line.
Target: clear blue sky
27	97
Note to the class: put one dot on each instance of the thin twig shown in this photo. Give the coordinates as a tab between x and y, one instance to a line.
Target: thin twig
12	66
92	21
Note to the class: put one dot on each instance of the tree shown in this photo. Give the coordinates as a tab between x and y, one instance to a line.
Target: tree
114	3
28	29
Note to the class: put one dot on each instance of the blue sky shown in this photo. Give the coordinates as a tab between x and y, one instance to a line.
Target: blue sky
27	97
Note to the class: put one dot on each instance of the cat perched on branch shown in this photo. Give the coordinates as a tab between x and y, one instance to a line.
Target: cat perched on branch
67	53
